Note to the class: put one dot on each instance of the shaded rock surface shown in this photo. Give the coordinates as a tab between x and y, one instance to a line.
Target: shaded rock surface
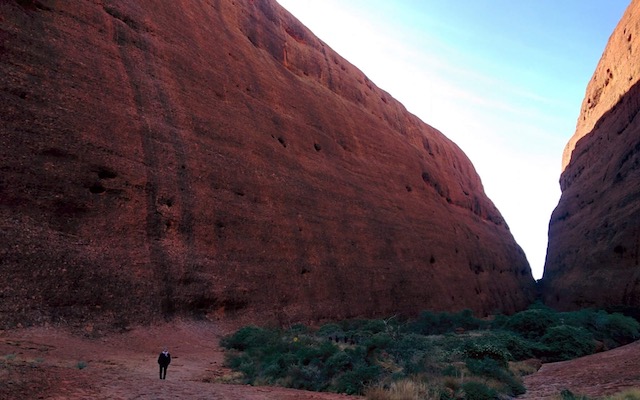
594	233
216	159
617	71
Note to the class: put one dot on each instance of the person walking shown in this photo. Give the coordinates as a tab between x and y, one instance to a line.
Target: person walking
164	359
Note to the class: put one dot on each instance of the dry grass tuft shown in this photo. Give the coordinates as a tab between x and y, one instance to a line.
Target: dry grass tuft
526	367
405	389
630	394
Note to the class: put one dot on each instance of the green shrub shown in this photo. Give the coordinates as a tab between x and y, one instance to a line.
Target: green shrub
368	326
516	387
490	368
338	362
379	340
242	362
274	369
465	319
485	367
478	391
250	337
531	323
566	342
374	326
417	354
353	382
613	329
515	345
484	349
621	329
406	345
298	329
305	354
330	330
451	370
430	323
307	377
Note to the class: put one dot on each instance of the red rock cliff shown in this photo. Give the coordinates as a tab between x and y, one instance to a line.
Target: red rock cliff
216	158
594	233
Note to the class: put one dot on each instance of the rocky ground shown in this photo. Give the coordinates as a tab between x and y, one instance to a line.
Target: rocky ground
51	363
596	375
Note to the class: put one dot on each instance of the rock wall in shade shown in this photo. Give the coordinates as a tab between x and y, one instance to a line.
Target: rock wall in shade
594	233
215	159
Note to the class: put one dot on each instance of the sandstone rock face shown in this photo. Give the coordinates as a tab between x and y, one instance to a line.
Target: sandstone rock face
216	159
617	71
594	233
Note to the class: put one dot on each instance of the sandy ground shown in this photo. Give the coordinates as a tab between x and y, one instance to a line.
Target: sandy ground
47	363
51	363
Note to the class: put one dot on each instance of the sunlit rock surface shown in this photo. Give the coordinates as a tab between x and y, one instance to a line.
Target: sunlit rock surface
216	159
594	233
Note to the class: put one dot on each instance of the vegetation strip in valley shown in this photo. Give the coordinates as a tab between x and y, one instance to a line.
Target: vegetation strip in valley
436	356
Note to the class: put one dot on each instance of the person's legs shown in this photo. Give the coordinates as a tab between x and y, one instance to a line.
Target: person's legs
165	371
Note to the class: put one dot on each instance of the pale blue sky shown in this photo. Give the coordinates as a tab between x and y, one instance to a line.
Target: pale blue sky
503	79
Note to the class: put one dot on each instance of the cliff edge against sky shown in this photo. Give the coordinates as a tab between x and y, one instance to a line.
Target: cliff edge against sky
594	232
216	159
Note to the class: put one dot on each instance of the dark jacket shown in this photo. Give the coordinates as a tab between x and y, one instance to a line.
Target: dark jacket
164	359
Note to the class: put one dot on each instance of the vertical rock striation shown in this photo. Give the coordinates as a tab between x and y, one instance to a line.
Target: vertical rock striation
594	233
216	159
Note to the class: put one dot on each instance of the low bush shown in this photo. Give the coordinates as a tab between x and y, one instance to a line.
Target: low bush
478	391
567	342
354	381
430	323
484	349
490	368
532	323
619	329
613	329
515	345
251	337
330	330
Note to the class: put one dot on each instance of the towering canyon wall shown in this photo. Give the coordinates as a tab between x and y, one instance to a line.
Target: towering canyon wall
594	233
216	159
